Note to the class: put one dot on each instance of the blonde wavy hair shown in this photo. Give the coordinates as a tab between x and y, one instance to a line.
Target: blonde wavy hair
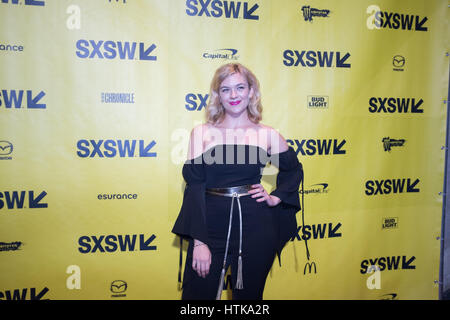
215	111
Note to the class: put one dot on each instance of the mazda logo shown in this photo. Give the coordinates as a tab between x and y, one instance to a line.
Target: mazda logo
398	61
6	148
118	286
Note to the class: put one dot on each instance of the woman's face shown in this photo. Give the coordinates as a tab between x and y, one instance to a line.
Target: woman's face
235	94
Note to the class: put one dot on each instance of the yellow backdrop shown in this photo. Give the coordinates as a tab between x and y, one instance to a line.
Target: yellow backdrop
97	100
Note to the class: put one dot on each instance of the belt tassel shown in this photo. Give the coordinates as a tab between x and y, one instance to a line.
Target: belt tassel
239	281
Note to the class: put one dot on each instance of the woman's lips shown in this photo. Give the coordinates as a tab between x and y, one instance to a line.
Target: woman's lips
235	103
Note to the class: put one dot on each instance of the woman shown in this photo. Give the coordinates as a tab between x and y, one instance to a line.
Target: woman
227	215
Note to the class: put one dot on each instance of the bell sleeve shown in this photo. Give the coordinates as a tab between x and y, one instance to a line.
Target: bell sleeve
290	175
191	220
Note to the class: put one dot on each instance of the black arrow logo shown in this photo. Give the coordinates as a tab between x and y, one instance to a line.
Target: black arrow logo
410	187
33	295
415	107
144	245
332	231
407	264
248	13
337	148
419	25
34	202
340	62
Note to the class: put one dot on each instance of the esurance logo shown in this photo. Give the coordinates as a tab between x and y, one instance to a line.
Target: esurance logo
39	3
113	243
115	148
90	49
311	59
392	20
16	99
217	9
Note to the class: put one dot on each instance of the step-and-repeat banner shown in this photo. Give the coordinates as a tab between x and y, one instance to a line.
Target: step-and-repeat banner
97	100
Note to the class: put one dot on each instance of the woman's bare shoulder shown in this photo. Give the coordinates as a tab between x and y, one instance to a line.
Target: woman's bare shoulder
276	142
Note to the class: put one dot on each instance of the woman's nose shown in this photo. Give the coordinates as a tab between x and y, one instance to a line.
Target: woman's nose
233	93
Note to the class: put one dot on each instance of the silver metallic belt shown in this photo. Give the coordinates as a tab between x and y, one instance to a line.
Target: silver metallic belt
233	192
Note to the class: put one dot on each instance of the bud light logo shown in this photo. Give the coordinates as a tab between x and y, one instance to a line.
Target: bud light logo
115	148
90	49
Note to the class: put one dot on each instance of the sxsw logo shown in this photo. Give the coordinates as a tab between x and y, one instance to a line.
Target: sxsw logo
16	99
311	59
392	20
16	199
114	50
196	101
388	263
319	147
114	148
113	243
21	294
40	3
395	105
388	186
217	9
317	231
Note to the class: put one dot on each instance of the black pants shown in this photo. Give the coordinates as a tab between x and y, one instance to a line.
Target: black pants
258	249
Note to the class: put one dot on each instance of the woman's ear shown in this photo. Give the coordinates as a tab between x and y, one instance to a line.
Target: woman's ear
251	93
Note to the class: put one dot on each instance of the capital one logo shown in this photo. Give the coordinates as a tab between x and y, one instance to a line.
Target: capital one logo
40	3
217	9
90	49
